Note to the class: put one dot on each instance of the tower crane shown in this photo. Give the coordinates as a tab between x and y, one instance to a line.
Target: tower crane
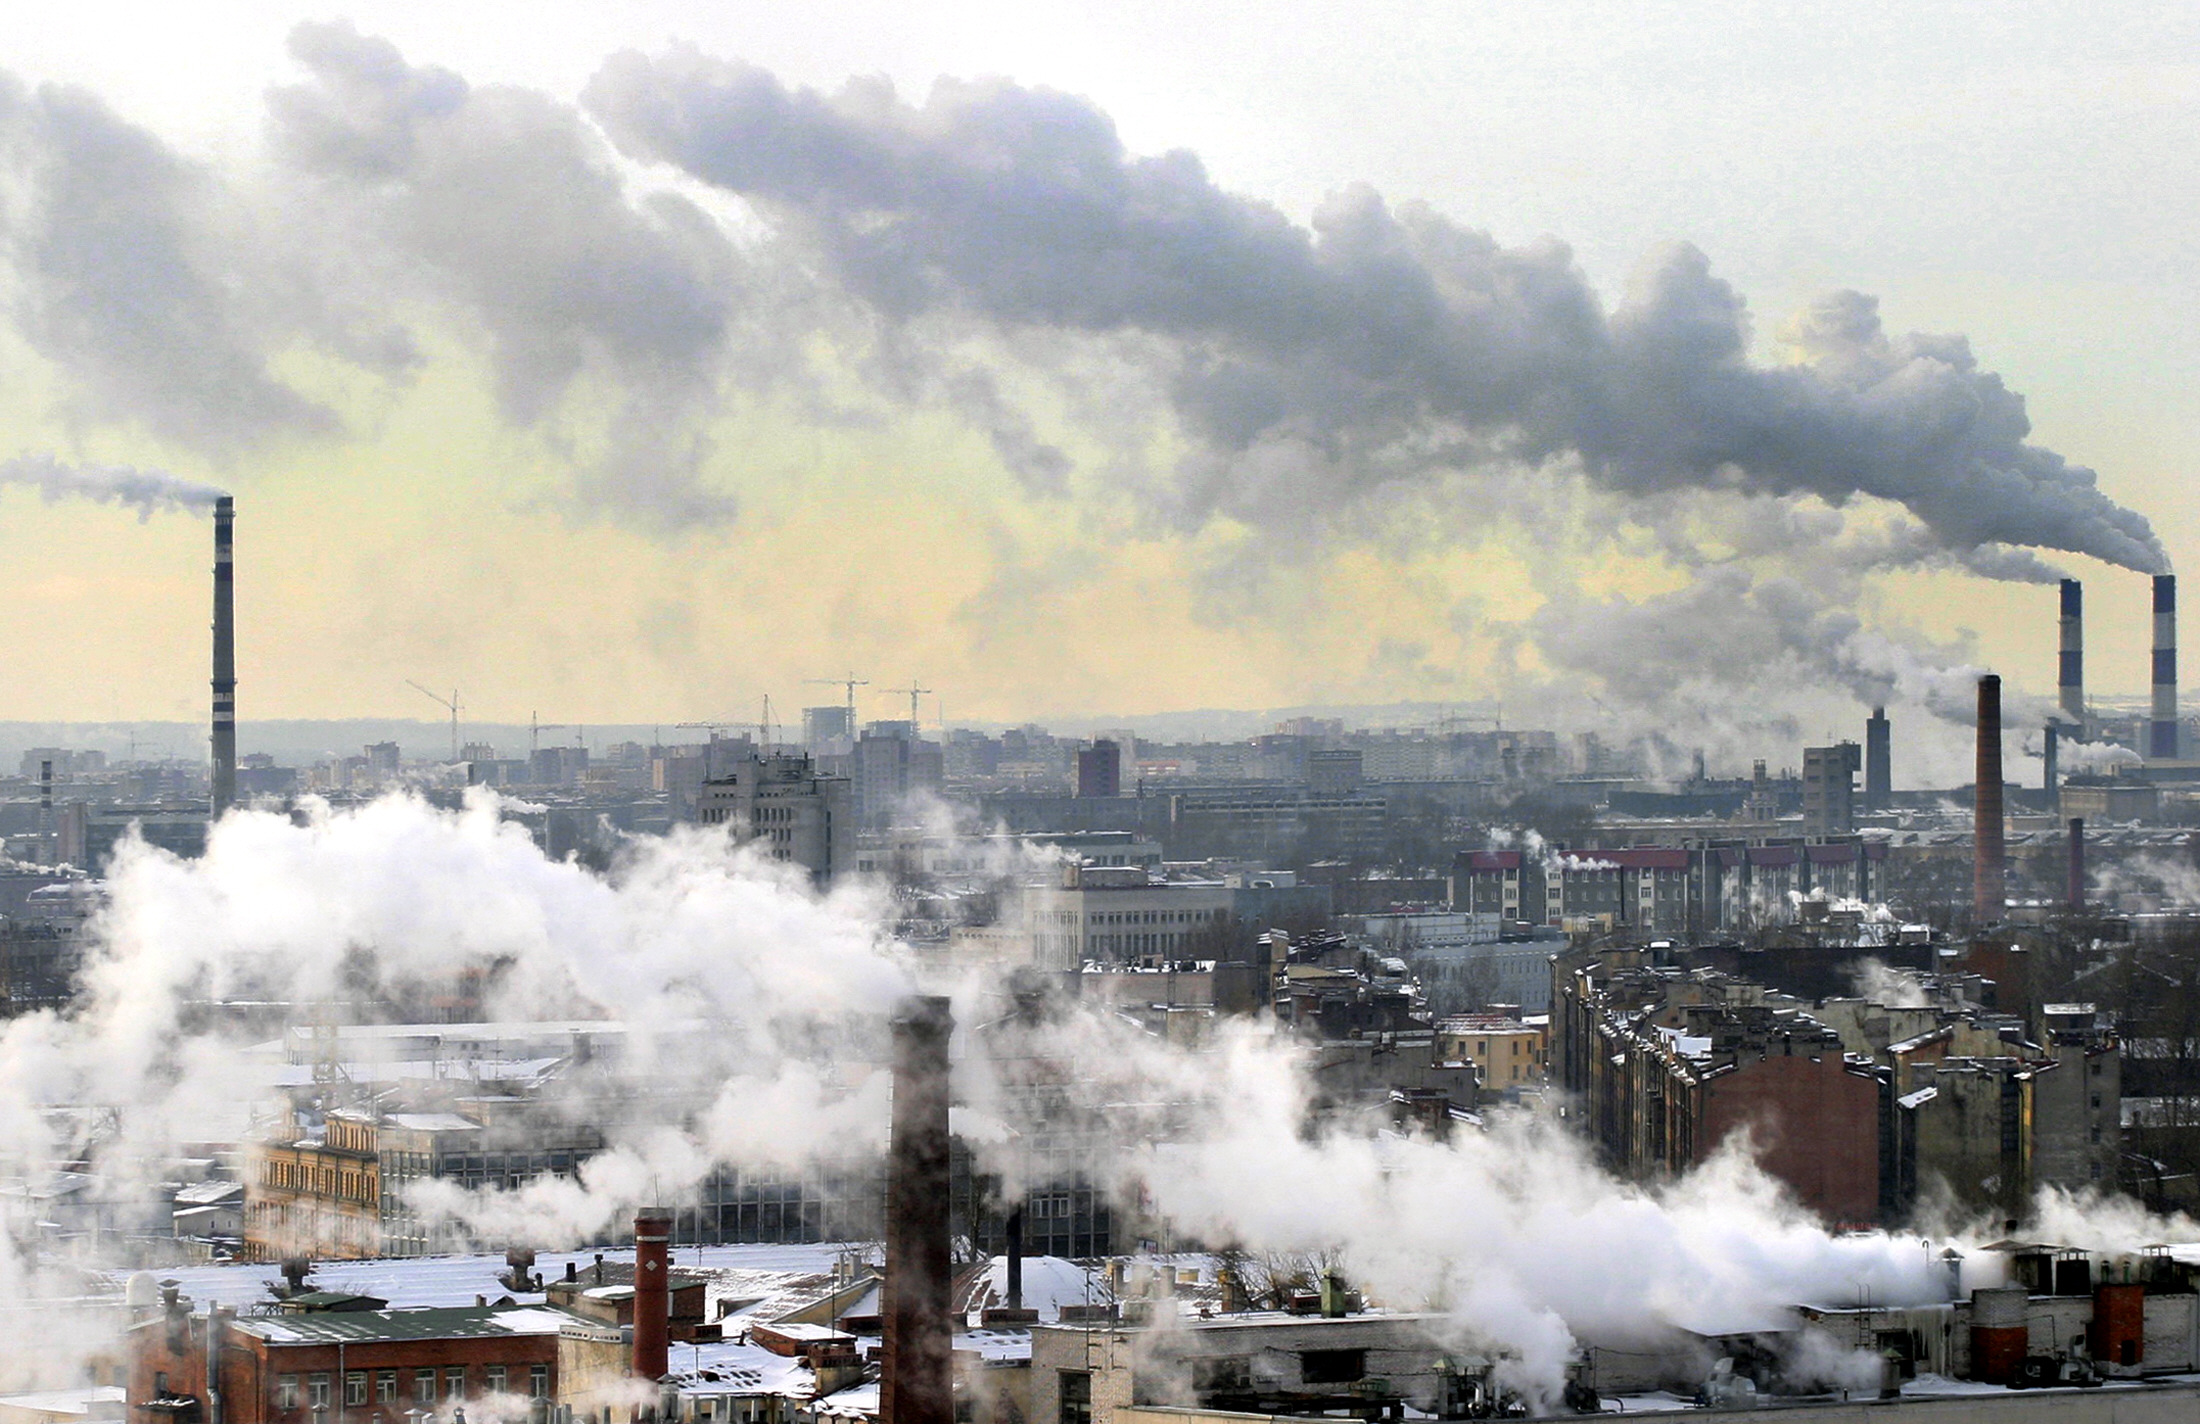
912	692
850	682
450	702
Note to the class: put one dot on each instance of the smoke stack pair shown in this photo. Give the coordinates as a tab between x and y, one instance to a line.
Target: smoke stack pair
2162	735
652	1293
916	1378
225	656
1988	855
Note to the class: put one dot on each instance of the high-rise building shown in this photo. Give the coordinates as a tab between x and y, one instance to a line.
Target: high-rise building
1829	789
1100	770
781	801
827	724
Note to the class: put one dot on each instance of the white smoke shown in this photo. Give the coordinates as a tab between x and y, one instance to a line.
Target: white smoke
147	491
758	1002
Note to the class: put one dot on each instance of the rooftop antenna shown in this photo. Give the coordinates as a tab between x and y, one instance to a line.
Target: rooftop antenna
450	702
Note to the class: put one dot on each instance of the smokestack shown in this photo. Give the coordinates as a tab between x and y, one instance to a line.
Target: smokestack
916	1380
652	1292
2077	865
2050	756
45	810
2073	651
225	656
1016	1258
1987	858
1878	761
2162	737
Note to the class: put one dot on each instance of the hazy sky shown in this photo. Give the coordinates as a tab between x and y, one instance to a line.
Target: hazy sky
635	389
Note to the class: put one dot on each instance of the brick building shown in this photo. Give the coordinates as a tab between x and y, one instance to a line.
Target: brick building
337	1360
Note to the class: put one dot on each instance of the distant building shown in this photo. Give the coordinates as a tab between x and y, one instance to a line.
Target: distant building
782	802
1115	913
827	724
1829	789
1100	770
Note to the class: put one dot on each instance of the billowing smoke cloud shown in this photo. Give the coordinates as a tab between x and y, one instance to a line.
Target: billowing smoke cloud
125	258
757	1007
147	491
1291	348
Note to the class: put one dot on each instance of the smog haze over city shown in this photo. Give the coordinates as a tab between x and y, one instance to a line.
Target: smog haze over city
985	714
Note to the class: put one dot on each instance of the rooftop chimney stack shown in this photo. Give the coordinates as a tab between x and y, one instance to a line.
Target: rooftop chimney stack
2073	651
652	1293
916	1376
1988	852
225	656
1878	761
2162	736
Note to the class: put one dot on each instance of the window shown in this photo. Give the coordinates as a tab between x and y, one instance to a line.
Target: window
1076	1397
1332	1366
286	1391
496	1379
385	1387
355	1387
454	1382
423	1387
538	1381
317	1391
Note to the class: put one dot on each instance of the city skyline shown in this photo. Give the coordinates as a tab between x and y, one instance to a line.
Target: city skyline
431	525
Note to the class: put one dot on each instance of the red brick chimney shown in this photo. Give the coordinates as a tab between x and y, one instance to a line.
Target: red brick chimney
652	1292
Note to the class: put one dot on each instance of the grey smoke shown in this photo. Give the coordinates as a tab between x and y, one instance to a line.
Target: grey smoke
147	491
1374	329
124	256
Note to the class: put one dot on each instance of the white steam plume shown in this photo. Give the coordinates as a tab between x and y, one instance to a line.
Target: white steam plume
740	991
147	491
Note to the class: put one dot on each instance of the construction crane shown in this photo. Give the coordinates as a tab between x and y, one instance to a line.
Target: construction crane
450	702
535	730
913	692
851	682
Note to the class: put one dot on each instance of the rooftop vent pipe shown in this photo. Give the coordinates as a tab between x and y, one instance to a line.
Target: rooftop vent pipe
1988	852
916	1380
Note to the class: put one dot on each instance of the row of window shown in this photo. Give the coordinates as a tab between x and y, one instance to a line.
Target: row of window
427	1386
290	1174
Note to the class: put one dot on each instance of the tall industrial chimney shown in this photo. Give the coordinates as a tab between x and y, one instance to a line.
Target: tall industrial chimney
1878	761
916	1378
652	1293
45	811
2073	651
225	656
2077	865
2162	736
2050	760
1987	856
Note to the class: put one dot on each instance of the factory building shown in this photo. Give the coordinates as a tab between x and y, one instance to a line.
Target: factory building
1829	789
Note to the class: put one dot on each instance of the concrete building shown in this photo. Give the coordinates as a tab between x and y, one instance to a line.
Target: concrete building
781	803
1829	789
1100	770
1118	913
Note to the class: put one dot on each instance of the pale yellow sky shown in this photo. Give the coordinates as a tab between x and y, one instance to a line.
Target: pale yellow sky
2029	184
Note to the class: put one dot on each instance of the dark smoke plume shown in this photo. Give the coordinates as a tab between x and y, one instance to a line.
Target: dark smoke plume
1375	330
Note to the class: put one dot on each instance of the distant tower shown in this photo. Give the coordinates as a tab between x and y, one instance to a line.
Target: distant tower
2162	736
1878	761
2071	675
225	656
